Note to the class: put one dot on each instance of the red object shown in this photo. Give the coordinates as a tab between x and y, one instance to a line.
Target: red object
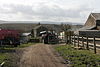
8	33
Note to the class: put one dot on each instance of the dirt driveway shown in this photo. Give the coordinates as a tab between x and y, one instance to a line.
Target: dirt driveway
41	55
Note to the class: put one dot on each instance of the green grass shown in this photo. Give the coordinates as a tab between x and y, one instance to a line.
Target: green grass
3	57
78	58
25	45
5	51
19	46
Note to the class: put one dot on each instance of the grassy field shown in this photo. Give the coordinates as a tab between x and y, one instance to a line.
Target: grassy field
78	58
7	50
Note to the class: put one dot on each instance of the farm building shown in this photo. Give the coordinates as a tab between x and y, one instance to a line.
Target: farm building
93	21
9	37
92	25
36	30
25	37
62	35
53	28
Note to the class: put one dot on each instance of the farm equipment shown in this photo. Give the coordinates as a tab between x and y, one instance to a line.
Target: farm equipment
9	37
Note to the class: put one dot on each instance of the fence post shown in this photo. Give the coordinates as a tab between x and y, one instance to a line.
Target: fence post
74	40
82	41
67	39
78	41
70	39
94	45
87	45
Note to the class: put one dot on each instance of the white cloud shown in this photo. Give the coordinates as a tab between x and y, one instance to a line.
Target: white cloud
51	10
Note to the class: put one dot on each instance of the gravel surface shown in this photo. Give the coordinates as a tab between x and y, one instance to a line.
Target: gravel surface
41	55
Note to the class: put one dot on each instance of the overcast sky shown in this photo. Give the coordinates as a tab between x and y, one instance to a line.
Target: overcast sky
48	10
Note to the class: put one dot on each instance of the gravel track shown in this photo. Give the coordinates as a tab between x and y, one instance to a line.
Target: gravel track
41	55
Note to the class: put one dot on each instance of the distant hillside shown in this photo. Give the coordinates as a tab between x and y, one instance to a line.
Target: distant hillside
27	27
24	27
42	22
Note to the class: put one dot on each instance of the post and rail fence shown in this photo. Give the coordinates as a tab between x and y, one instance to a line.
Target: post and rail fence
84	41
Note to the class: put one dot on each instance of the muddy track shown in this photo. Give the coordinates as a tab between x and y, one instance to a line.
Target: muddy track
41	55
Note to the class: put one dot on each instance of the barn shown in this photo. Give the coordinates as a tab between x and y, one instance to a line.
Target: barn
93	21
91	27
36	30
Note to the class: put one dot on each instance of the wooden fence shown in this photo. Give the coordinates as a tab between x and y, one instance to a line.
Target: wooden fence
84	42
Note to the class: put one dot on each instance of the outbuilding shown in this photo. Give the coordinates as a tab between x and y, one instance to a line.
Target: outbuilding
38	29
91	27
25	37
